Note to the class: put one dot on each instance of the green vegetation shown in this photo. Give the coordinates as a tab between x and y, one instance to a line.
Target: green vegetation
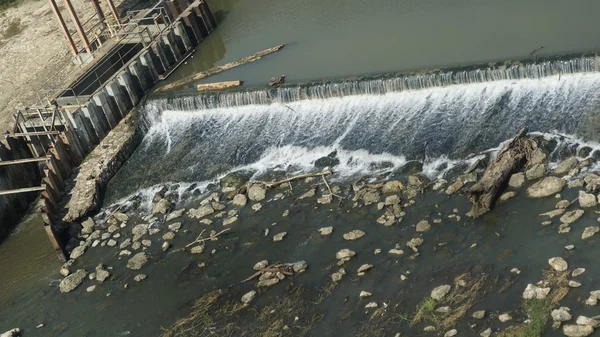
425	311
538	312
218	314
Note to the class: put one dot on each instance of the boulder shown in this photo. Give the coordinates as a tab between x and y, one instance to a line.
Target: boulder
563	204
229	221
261	265
279	236
175	227
571	217
440	292
140	230
423	226
299	267
168	236
505	317
248	297
558	264
392	186
344	254
536	171
197	249
72	281
537	157
162	207
371	196
457	186
268	282
101	274
577	272
479	314
546	187
88	226
330	160
309	194
137	261
326	230
588	232
257	192
561	315
392	200
234	180
77	252
364	268
451	333
516	180
140	277
11	333
354	235
200	212
175	214
578	330
507	195
364	294
240	200
486	333
587	199
566	165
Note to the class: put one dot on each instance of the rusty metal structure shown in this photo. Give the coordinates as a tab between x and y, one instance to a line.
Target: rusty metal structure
121	59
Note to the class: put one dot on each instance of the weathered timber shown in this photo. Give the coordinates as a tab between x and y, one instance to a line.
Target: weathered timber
23	190
219	85
510	159
23	161
219	69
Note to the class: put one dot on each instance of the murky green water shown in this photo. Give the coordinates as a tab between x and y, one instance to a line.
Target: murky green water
350	37
327	39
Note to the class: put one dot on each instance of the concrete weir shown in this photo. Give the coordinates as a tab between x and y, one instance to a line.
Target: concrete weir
98	121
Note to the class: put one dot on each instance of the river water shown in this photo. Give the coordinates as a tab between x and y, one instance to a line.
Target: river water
377	125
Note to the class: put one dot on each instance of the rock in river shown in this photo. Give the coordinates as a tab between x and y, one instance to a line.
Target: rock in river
571	217
587	199
257	192
248	297
344	253
353	235
423	226
441	291
561	315
72	281
546	187
558	264
11	333
326	230
578	330
516	180
240	200
137	261
77	252
566	165
162	207
279	236
589	232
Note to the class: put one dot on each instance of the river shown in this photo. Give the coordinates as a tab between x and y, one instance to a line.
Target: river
374	128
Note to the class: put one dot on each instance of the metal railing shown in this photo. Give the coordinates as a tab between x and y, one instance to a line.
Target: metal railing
132	30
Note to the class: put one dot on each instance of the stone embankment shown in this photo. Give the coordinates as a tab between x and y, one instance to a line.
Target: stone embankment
102	164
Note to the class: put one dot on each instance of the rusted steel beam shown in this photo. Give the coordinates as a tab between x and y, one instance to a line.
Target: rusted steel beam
58	248
113	10
84	39
63	27
98	9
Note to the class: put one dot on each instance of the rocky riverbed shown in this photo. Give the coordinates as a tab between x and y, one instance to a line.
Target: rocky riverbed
381	256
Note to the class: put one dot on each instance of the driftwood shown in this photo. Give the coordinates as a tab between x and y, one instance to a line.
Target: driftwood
510	159
218	85
219	69
288	180
281	268
210	237
277	80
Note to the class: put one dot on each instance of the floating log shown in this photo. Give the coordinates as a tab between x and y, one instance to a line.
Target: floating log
277	80
510	159
219	69
219	85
